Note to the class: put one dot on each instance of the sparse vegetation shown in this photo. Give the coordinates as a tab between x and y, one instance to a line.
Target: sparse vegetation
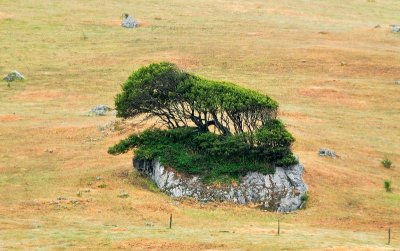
248	136
387	163
387	184
305	197
102	185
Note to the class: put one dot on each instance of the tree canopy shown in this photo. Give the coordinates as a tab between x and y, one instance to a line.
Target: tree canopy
180	99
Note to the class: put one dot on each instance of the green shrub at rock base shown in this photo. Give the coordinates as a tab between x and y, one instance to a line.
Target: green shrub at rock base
212	156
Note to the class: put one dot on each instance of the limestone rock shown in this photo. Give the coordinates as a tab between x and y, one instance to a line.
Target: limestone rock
282	191
100	110
324	152
128	21
395	28
14	75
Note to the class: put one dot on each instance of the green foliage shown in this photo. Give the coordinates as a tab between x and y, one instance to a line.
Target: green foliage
215	157
180	99
305	197
248	136
386	162
387	185
102	185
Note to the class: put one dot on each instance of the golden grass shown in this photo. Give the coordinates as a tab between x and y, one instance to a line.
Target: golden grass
75	55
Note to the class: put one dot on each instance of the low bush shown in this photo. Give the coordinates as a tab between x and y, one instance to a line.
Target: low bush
386	162
388	185
215	157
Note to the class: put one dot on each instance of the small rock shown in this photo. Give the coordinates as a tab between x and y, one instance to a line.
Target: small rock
304	61
99	178
377	26
123	195
100	110
343	63
327	153
14	75
128	21
397	82
395	28
49	151
61	198
79	194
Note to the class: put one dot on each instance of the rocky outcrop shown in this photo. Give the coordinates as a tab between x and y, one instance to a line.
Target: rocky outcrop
283	191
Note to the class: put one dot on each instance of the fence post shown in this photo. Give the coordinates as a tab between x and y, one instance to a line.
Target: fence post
170	221
279	227
389	236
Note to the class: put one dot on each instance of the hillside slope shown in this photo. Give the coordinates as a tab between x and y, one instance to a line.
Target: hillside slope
332	72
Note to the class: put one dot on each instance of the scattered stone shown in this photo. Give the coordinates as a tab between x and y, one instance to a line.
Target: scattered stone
61	198
304	61
86	190
281	191
377	26
100	110
397	82
49	151
395	28
14	75
343	63
99	178
324	152
79	194
123	195
128	21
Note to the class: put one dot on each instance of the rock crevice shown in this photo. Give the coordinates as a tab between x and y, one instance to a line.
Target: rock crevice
283	191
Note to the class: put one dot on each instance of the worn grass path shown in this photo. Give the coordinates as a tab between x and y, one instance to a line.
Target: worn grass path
332	72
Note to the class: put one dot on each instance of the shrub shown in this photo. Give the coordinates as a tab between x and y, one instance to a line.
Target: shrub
213	156
386	162
388	185
304	198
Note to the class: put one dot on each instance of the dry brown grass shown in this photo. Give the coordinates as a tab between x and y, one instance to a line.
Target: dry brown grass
75	55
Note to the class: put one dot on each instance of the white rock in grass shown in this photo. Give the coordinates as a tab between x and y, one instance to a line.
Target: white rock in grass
128	21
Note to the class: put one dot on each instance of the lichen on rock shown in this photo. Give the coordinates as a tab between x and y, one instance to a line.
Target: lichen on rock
282	191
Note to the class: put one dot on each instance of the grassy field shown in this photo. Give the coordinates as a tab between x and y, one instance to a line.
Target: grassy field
332	72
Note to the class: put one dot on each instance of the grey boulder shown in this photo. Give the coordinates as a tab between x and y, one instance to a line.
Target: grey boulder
324	152
100	110
14	75
395	28
129	22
